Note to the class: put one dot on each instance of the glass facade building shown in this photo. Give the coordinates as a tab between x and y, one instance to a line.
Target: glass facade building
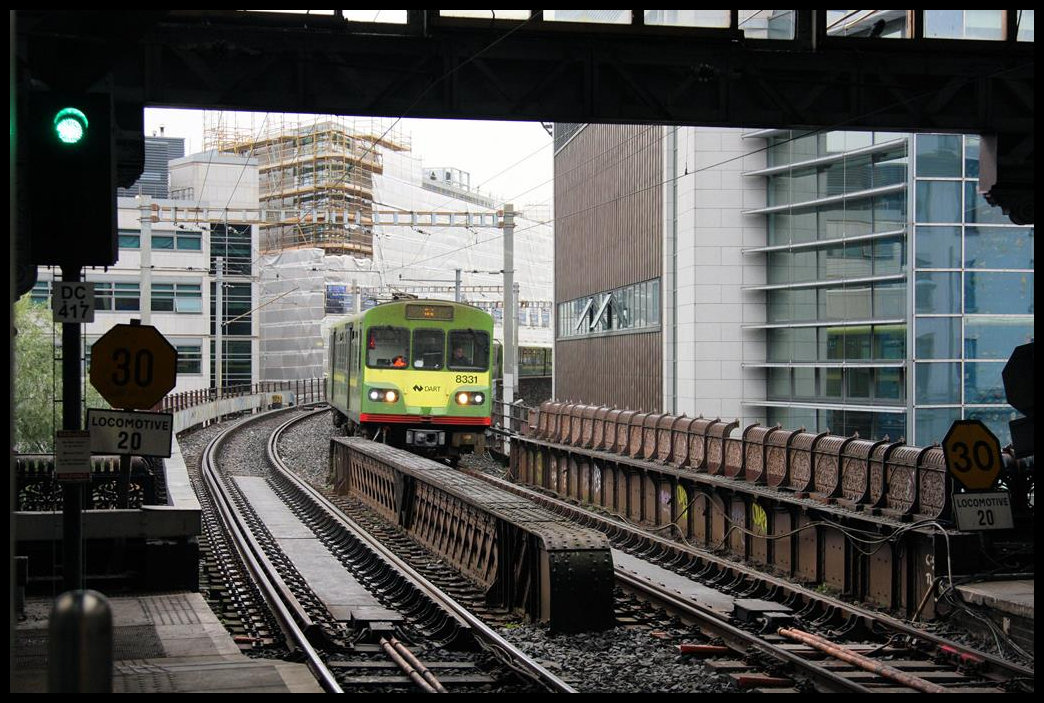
972	291
232	245
894	293
852	282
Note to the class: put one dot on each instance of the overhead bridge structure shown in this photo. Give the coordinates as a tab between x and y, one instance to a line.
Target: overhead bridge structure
799	69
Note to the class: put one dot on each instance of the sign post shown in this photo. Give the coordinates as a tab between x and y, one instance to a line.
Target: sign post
973	458
132	366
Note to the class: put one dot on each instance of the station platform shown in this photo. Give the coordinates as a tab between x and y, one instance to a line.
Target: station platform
1008	604
162	643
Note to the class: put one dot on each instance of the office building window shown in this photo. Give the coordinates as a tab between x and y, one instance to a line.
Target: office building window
177	297
937	247
937	338
630	308
932	424
117	296
41	293
190	358
937	383
998	248
129	238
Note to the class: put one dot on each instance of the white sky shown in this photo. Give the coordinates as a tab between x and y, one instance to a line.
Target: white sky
511	161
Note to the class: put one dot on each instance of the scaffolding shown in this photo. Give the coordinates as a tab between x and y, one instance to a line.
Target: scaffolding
313	165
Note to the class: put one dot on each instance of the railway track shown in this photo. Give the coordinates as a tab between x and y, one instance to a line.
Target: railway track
794	640
372	656
782	636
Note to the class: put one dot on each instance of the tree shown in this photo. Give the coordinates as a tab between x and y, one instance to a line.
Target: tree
38	378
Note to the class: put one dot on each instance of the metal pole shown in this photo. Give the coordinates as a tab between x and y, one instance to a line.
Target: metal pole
510	317
72	492
456	295
145	245
219	319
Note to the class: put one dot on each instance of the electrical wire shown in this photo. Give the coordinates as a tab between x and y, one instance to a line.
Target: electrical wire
496	41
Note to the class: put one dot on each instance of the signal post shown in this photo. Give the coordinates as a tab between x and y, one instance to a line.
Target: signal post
973	458
67	218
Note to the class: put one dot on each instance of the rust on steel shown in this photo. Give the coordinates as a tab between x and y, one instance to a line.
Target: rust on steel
702	477
863	662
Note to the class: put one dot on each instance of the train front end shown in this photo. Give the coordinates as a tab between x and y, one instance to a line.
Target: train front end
428	378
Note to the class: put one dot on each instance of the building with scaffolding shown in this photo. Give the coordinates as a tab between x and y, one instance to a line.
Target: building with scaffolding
349	216
327	166
229	268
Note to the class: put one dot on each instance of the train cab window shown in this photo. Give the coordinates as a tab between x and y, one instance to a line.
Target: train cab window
469	350
387	345
428	346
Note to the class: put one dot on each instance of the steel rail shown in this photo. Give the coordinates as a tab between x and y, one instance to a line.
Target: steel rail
715	622
289	613
508	653
864	663
850	611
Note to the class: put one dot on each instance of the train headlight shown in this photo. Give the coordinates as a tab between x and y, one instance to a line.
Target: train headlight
466	398
382	395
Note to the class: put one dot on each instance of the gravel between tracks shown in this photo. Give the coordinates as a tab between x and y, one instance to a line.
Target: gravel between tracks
619	660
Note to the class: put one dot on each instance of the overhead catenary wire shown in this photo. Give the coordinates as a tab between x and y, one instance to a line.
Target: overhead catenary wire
593	207
686	173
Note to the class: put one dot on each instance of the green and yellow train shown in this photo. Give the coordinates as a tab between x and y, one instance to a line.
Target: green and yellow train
416	374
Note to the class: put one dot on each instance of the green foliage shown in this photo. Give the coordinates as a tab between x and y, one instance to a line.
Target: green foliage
38	378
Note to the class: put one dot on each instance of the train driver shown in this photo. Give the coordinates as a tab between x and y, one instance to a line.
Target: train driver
459	357
399	362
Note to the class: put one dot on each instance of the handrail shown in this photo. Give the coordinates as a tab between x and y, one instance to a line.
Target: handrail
305	390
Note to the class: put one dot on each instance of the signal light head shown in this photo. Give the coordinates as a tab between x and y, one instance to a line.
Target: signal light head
70	125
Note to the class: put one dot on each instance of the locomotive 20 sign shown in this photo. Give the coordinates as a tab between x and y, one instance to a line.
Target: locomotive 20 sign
133	366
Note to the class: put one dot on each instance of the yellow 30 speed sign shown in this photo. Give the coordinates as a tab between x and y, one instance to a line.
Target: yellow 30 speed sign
133	366
973	454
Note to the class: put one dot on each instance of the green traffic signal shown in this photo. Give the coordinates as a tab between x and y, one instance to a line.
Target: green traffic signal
70	125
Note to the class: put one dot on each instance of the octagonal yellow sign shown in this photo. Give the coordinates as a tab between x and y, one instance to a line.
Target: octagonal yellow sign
133	366
973	455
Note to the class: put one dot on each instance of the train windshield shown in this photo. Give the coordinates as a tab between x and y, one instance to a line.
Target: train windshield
387	347
428	347
469	350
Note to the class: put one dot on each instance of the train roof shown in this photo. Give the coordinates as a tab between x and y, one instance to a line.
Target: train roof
402	302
